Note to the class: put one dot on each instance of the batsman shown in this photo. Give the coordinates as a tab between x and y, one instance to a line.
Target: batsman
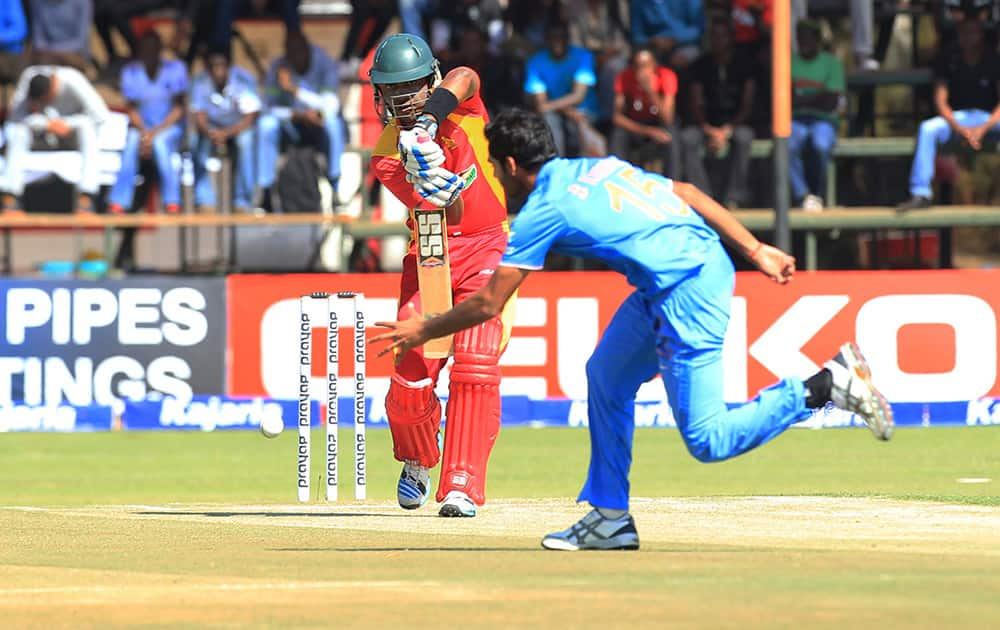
433	156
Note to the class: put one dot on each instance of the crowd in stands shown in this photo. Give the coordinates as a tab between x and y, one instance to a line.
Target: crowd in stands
682	86
186	97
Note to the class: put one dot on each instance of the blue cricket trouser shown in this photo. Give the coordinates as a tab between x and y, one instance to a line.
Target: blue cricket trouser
678	333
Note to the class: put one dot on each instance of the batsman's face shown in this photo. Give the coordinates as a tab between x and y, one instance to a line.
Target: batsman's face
404	101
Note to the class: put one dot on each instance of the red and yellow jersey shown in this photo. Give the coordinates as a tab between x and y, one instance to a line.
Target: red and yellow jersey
463	141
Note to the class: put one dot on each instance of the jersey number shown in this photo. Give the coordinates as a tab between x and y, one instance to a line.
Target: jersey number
648	194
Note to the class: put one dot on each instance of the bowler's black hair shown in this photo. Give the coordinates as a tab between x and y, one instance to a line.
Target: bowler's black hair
38	87
522	135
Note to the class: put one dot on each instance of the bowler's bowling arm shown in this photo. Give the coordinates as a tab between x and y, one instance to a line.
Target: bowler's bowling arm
720	219
481	306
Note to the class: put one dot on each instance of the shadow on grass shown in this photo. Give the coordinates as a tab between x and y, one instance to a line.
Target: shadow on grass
282	514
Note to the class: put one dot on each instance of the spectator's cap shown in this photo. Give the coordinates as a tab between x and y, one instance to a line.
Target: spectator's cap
812	26
39	87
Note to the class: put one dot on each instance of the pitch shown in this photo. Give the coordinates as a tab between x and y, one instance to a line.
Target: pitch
822	529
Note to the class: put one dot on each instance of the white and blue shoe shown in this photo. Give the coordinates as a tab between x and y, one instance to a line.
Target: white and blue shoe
414	487
594	531
852	390
457	504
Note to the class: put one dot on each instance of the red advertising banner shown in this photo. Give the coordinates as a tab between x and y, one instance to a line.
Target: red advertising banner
930	335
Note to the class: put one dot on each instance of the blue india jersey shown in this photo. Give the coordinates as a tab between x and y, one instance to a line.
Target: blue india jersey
615	212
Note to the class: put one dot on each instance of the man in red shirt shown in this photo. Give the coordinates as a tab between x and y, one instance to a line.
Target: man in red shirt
644	110
433	151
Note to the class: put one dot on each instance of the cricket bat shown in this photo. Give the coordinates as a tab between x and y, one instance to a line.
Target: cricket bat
433	272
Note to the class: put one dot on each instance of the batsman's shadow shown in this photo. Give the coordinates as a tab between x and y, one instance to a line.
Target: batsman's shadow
231	514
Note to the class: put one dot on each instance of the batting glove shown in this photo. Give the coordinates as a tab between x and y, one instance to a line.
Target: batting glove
418	151
438	186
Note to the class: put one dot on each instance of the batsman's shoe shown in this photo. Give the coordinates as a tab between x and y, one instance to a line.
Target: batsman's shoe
853	391
414	487
594	531
457	504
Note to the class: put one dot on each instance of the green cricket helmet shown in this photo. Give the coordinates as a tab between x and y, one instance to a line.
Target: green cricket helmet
406	63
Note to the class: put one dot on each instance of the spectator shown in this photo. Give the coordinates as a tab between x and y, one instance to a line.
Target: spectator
500	77
644	110
13	31
559	82
117	15
966	88
454	18
154	89
953	12
597	25
60	32
752	21
225	105
721	100
414	15
58	108
528	20
817	90
672	28
301	92
369	20
228	11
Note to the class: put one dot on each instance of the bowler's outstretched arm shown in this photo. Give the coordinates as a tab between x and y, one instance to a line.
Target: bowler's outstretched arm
485	304
771	261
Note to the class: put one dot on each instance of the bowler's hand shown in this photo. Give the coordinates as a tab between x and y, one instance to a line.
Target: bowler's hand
403	336
774	263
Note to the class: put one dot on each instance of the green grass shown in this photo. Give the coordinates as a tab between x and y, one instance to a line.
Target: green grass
244	467
707	562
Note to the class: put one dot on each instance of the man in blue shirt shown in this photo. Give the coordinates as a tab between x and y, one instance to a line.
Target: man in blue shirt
664	237
60	32
155	89
559	82
673	28
301	93
225	105
13	31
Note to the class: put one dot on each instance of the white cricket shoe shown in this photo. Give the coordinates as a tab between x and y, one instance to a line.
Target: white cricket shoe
457	504
413	488
594	531
853	391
